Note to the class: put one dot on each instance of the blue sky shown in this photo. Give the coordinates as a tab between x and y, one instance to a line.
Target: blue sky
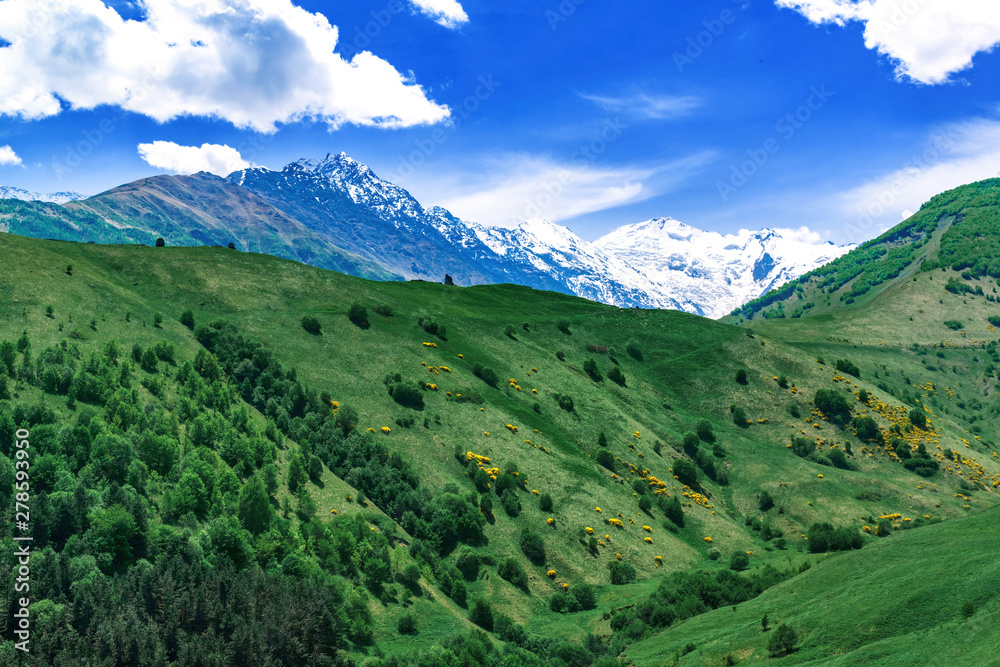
832	115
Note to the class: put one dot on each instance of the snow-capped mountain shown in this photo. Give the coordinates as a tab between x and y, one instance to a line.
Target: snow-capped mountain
7	192
661	263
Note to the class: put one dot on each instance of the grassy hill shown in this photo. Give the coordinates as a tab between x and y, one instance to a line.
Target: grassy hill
290	366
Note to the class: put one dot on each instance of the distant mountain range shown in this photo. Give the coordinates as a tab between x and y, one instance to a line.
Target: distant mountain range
7	192
337	213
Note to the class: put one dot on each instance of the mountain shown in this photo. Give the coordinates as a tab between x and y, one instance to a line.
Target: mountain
712	273
241	459
657	264
7	192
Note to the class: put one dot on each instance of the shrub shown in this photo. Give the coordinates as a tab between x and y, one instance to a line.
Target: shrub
509	331
407	624
557	603
545	502
606	459
486	503
383	309
847	366
187	319
839	459
532	546
803	447
766	501
563	325
482	614
867	429
512	571
312	325
686	472
918	418
672	509
357	313
782	641
740	417
158	320
954	325
739	561
621	573
925	467
585	596
615	375
565	402
741	376
833	405
634	351
704	431
994	320
486	374
783	382
590	368
561	356
510	502
824	537
407	395
645	503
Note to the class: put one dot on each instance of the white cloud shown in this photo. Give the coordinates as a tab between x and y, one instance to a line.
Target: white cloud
803	235
8	158
647	107
216	159
507	190
954	155
448	13
253	63
928	40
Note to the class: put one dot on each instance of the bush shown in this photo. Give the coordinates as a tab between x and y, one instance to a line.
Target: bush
532	546
512	571
704	431
824	537
407	624
383	309
357	313
486	374
509	331
565	402
187	319
954	325
510	502
407	395
590	368
557	603
925	467
833	405
482	614
740	417
606	459
563	325
312	325
867	429
918	418
672	509
621	573
545	502
739	561
585	596
686	472
615	375
634	351
803	447
645	503
741	376
782	641
994	320
766	501
847	366
839	459
691	443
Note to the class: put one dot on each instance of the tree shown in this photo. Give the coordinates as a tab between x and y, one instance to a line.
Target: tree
686	472
740	417
918	418
704	431
486	504
615	375
739	561
621	573
254	506
606	459
187	319
532	546
590	368
347	419
633	350
764	621
645	503
296	473
545	502
358	314
512	571
867	429
766	501
783	640
407	624
833	405
312	325
482	614
149	360
585	596
672	510
847	366
741	376
158	320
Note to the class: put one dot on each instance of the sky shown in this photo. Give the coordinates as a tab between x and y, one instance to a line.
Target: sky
833	118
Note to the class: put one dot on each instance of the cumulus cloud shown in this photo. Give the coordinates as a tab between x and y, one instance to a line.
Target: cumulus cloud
448	13
8	158
954	155
217	159
253	63
507	190
928	40
646	106
803	235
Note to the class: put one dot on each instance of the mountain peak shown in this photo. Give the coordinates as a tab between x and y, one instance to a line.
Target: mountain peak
7	192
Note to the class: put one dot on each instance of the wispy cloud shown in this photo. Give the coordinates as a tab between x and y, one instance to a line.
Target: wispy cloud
507	190
253	63
951	156
447	13
928	40
217	159
8	158
644	106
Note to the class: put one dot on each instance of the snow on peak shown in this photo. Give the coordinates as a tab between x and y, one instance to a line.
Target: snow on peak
7	192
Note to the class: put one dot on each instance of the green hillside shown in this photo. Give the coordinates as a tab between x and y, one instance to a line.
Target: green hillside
238	459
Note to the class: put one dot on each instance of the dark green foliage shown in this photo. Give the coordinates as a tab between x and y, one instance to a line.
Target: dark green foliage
739	561
918	418
686	472
532	546
509	331
672	509
782	641
383	309
405	393
994	320
486	374
839	459
545	502
606	459
187	319
824	537
849	367
590	368
954	325
633	350
867	429
511	503
803	446
585	596
645	503
357	314
254	510
615	375
691	443
482	614
766	501
621	572
563	325
740	417
406	624
923	466
512	571
312	325
705	431
741	376
833	405
565	402
158	321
